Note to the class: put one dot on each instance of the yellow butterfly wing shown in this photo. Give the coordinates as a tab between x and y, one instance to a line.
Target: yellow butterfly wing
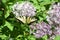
29	20
23	19
26	20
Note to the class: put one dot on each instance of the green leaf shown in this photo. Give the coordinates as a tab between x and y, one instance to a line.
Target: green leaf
4	1
40	0
40	18
37	6
57	37
1	12
3	36
9	25
35	1
19	36
1	27
56	0
7	14
10	3
31	37
25	39
45	2
42	8
45	37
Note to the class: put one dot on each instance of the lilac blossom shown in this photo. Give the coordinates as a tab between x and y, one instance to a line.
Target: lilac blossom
41	29
24	9
57	31
54	17
52	37
54	14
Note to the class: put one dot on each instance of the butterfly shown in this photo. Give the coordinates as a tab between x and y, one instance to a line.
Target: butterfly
26	20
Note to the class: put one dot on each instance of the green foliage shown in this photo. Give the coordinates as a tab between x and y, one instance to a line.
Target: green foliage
1	12
3	36
31	37
57	37
7	14
4	1
45	37
10	27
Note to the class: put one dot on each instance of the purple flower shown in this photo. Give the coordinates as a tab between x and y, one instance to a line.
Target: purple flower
39	33
54	14
24	9
40	29
57	31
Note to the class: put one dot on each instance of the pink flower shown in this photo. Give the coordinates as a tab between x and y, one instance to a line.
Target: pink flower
40	29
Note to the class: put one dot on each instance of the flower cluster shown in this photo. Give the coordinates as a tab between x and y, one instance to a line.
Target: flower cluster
57	31
54	14
24	9
53	18
40	29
